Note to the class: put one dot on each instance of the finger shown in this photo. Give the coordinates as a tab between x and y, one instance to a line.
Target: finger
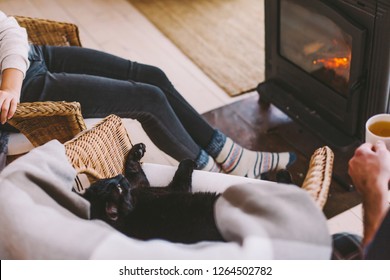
364	148
12	109
4	111
379	146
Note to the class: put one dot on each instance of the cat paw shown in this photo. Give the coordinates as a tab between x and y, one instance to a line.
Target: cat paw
183	176
137	152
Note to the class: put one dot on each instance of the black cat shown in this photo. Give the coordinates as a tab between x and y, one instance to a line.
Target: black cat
174	213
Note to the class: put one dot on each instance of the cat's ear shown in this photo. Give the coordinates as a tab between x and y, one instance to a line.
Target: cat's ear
95	189
126	185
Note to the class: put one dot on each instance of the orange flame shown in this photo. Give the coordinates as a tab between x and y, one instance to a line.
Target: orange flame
333	63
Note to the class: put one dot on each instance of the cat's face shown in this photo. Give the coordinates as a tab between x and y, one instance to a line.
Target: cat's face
110	198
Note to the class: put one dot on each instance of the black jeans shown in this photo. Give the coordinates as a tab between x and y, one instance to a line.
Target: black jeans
106	84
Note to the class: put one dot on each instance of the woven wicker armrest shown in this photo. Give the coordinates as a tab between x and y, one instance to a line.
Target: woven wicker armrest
41	122
101	151
49	32
319	175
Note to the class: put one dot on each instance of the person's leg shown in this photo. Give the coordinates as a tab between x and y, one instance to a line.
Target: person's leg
86	61
101	96
232	158
92	62
237	160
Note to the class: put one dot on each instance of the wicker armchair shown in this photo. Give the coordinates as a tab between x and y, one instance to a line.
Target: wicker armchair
49	32
43	121
319	175
101	151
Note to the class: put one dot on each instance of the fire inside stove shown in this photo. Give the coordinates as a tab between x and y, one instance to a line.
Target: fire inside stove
317	45
336	63
333	70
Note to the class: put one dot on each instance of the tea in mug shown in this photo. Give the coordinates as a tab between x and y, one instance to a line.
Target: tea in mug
380	128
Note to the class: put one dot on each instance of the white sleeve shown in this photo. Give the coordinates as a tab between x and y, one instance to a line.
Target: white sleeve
13	44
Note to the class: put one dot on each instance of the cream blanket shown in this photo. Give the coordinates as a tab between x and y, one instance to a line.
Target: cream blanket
41	218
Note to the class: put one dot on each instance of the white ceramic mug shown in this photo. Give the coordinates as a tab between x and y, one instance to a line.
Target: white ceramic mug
372	130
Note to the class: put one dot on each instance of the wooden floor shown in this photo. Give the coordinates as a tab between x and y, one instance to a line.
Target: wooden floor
117	27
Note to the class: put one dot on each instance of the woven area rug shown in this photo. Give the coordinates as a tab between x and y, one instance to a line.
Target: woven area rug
224	38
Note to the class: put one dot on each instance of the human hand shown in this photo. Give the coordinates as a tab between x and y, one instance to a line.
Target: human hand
369	169
8	103
10	88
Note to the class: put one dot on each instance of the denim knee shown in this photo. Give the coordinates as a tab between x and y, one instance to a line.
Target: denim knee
152	75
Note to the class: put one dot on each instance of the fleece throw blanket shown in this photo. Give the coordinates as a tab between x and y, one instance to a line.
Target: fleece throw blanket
41	218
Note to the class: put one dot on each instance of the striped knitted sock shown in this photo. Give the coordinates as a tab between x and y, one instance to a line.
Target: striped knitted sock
237	160
207	163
